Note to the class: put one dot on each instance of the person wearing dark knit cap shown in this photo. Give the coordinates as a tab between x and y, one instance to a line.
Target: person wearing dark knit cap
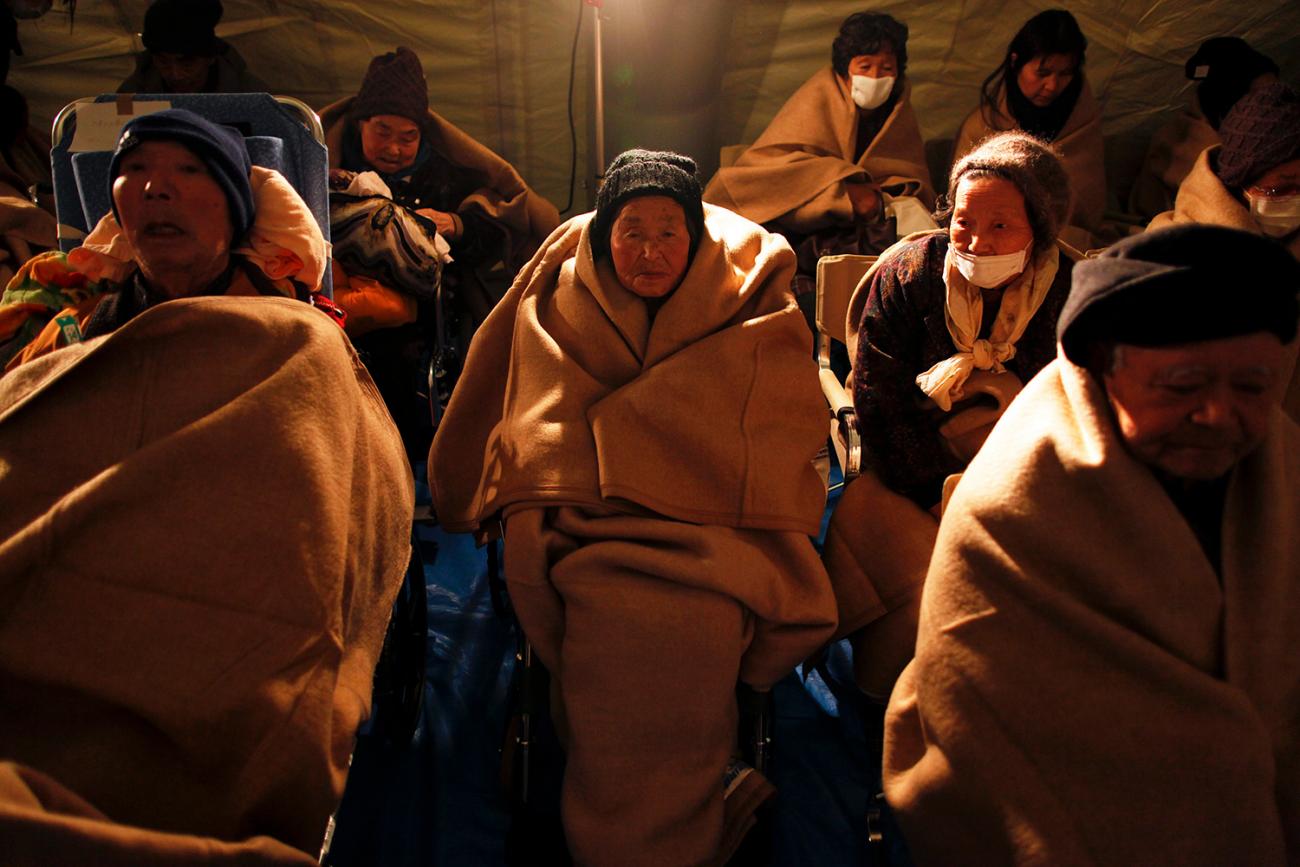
651	562
1252	180
1225	69
182	209
473	198
1109	619
184	55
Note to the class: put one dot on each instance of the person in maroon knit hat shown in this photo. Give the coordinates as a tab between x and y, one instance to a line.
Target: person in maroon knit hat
1252	180
475	199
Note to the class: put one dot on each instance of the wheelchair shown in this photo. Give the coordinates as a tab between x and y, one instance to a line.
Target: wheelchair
284	134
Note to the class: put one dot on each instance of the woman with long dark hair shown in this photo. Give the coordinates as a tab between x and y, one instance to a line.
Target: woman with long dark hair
1040	88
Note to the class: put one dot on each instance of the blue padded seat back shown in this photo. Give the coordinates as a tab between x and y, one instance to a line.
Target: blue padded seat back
91	172
276	139
266	151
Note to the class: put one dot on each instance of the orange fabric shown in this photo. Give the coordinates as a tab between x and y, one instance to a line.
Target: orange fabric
370	304
794	173
207	517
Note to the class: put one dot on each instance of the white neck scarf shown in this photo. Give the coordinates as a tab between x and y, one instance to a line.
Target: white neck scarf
963	310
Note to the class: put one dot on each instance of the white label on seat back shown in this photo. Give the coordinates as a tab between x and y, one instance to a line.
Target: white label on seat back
100	123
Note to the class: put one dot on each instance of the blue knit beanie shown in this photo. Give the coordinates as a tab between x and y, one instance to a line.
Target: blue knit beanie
221	148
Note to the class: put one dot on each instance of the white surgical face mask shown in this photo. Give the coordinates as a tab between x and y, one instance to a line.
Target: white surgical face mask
988	271
869	93
1276	215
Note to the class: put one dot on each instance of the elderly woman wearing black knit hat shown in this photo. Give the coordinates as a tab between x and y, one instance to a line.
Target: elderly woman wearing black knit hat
641	411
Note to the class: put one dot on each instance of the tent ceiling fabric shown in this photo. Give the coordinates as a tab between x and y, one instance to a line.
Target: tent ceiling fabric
691	76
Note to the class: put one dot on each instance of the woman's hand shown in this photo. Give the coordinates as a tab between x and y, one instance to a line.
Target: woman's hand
865	199
445	222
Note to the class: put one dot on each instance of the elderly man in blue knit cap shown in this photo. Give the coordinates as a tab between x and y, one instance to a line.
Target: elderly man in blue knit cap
1105	669
206	517
184	208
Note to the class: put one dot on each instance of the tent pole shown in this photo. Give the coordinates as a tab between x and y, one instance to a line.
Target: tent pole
599	95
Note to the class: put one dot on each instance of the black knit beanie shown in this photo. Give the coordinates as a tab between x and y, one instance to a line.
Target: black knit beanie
182	26
221	148
394	84
1223	68
1180	285
647	173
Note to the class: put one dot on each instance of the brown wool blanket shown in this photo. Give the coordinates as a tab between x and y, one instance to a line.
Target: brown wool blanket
1086	690
657	484
206	516
1079	145
794	173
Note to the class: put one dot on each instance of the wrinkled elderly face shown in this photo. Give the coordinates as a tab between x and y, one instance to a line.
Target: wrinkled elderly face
882	64
184	73
389	142
1043	78
172	211
1193	411
989	217
650	245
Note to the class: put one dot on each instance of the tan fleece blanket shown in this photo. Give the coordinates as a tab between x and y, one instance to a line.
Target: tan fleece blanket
206	518
502	194
710	412
1203	198
1085	689
794	173
1079	145
657	482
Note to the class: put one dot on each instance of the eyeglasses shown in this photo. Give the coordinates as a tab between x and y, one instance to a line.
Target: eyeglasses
1287	189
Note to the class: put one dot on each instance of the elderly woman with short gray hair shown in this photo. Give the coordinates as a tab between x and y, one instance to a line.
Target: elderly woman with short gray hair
981	294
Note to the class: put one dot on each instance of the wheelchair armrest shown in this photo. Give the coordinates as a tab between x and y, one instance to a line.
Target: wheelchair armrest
844	427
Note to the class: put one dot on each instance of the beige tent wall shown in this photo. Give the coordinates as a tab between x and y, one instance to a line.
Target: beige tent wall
686	74
499	69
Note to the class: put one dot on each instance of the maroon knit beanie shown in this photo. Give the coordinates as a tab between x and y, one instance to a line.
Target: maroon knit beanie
394	84
1261	131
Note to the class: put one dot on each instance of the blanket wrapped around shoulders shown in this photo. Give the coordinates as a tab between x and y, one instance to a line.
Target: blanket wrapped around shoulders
572	395
206	519
1086	690
1079	145
794	174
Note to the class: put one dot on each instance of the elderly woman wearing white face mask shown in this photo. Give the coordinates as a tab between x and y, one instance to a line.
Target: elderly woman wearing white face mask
982	294
1252	180
844	146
